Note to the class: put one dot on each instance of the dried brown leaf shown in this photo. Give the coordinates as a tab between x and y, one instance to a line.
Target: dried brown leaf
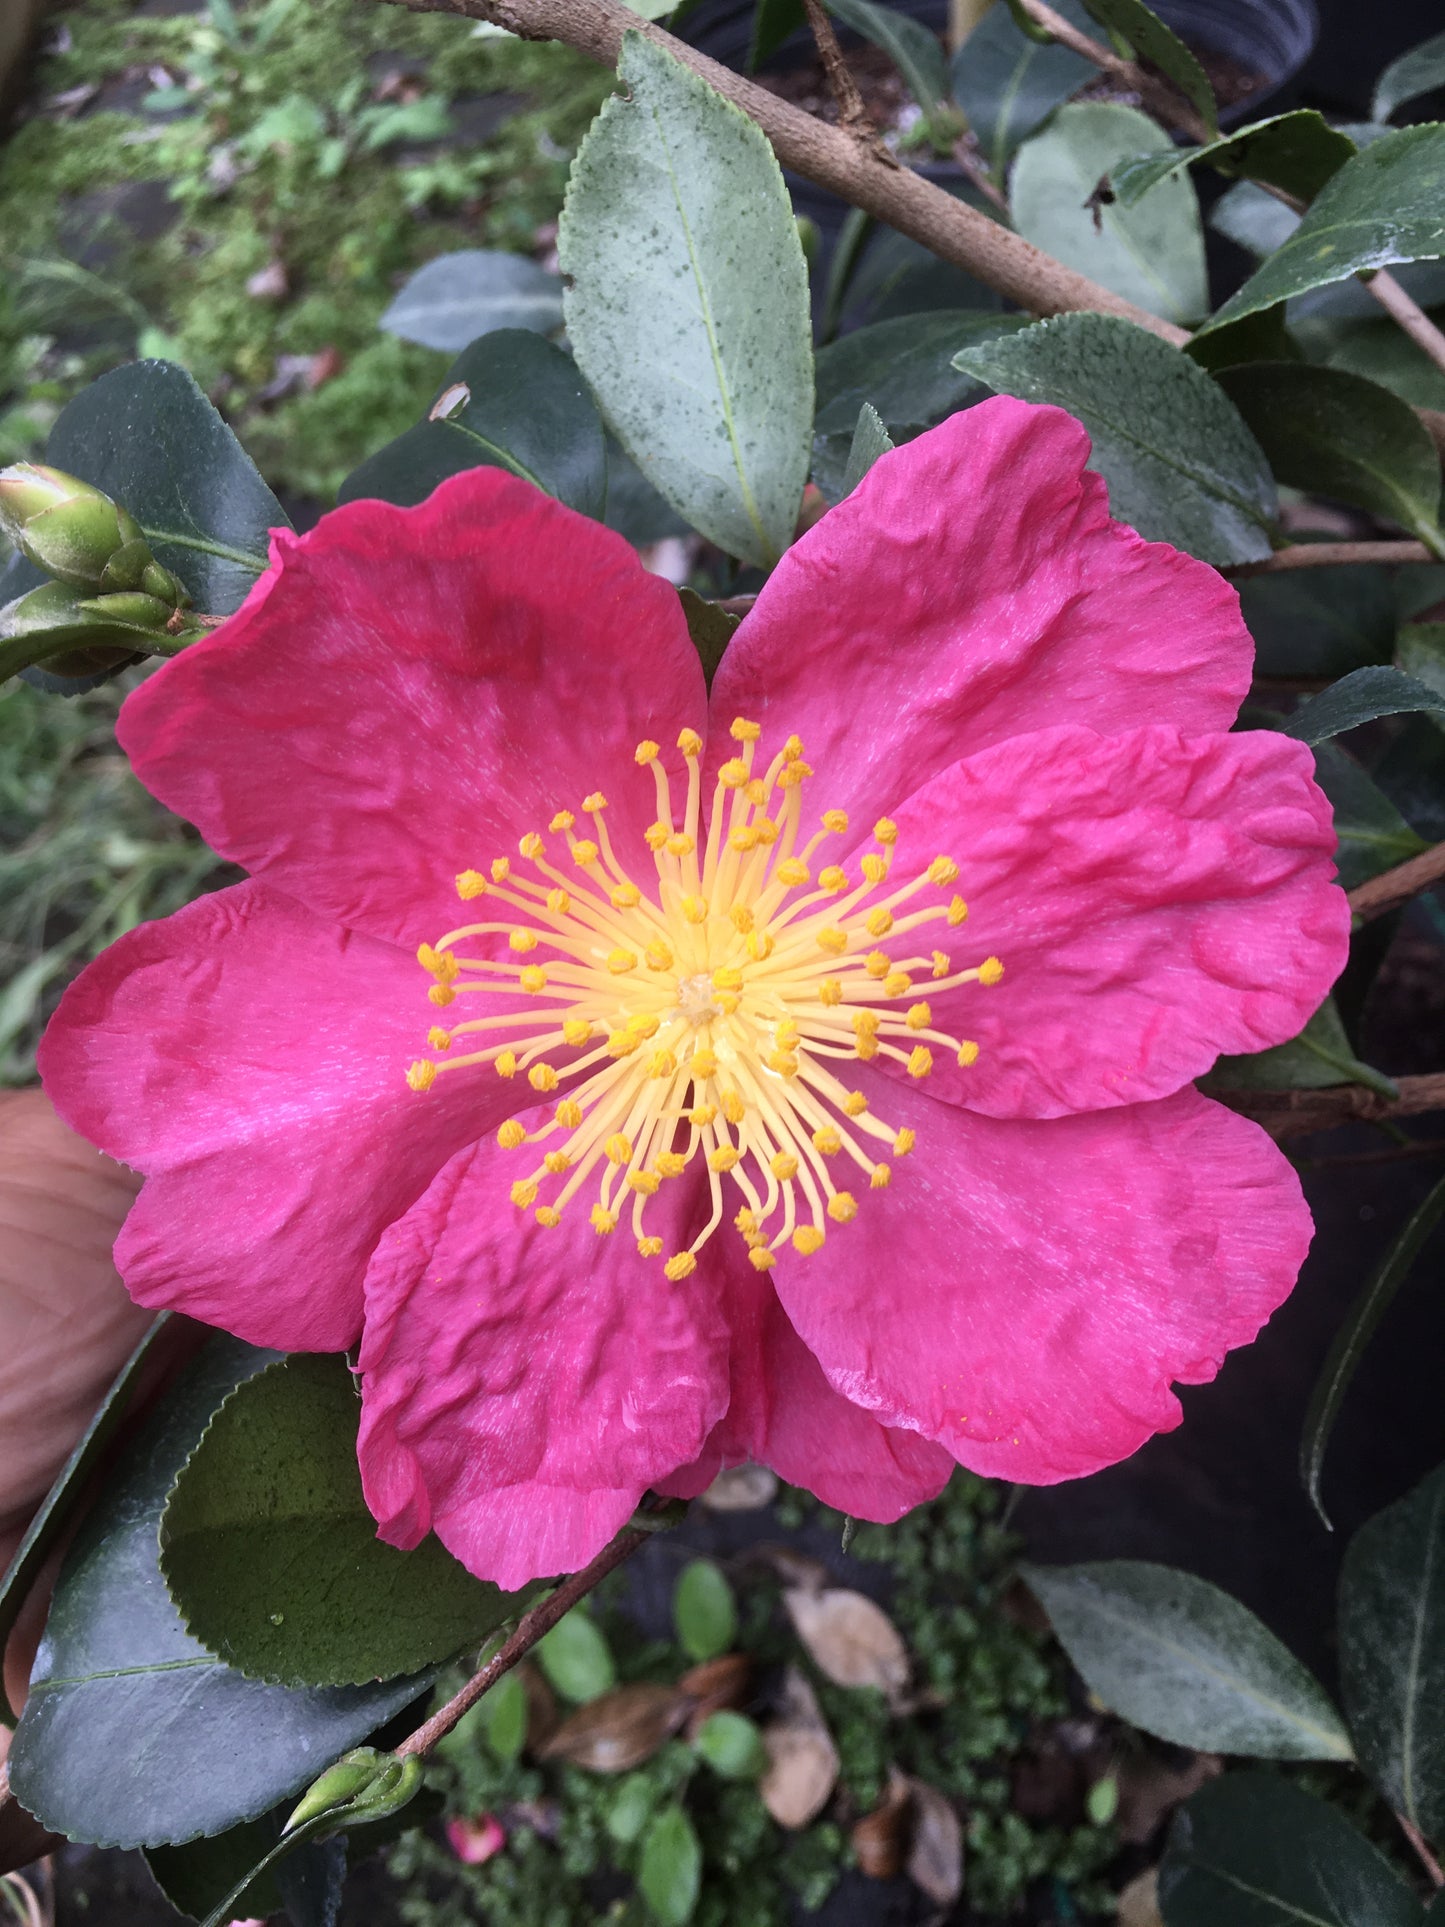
850	1639
717	1685
881	1838
1139	1902
802	1759
620	1729
935	1859
1148	1790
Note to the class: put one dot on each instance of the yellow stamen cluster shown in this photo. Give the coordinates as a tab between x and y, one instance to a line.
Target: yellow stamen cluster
707	1018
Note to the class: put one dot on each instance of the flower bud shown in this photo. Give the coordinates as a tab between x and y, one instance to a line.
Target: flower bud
363	1785
63	525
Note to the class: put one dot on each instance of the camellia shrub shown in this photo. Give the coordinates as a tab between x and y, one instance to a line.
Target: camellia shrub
660	1030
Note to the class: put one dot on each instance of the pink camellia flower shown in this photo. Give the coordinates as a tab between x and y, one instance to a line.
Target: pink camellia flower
476	1841
800	1075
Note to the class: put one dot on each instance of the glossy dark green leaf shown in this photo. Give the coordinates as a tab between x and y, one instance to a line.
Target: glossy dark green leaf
913	48
704	1610
1252	1850
456	298
1392	1640
576	1658
670	1876
1377	348
1336	434
129	1737
1151	252
773	22
1259	337
1151	40
197	1877
1420	652
1319	622
1420	71
1008	83
1385	206
710	627
55	1512
1181	1659
687	302
147	435
511	401
1180	464
1373	834
1297	152
1361	697
870	440
271	1554
1319	1057
1354	1335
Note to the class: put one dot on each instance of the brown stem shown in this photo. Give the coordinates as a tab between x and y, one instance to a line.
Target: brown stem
1325	555
1396	886
852	114
978	173
946	226
1157	94
530	1629
1409	315
1292	1113
1423	1854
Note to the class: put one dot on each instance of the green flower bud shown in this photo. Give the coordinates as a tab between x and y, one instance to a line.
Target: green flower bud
337	1785
160	582
63	525
363	1785
146	611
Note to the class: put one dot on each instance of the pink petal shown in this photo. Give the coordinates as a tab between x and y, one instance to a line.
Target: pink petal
786	1415
972	588
1025	1293
523	1386
1155	900
475	1841
408	690
251	1060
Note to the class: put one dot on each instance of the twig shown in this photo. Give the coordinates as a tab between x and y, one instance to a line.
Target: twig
1293	1113
1325	555
530	1629
978	173
1426	1858
1406	880
1408	313
946	226
852	114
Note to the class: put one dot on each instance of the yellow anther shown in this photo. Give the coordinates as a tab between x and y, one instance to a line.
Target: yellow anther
874	867
422	1074
727	977
645	1183
842	1207
568	1114
657	956
792	749
854	1104
548	1215
734	773
760	945
866	1047
742	731
724	1158
792	871
943	870
746	1221
827	1140
649	1247
886	830
702	1115
740	916
542	1077
757	792
727	1001
990	970
784	1166
655	836
904	1143
761	1259
557	1162
522	939
620	961
681	844
583	853
880	1177
809	1238
511	1134
442	994
532	846
595	803
532	978
563	820
836	821
695	909
662	1063
602	1220
438	1038
835	942
681	1265
501	869
920	1061
830	991
671	1164
866	1022
646	752
702	1064
957	911
577	1031
897	983
733	1107
642	1025
743	838
794	775
507	1064
942	963
919	1017
880	922
524	1193
781	1061
618	1149
967	1053
625	896
442	964
786	1034
878	964
690	743
470	883
767	830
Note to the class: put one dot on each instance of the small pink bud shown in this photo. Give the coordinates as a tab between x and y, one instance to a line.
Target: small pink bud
476	1840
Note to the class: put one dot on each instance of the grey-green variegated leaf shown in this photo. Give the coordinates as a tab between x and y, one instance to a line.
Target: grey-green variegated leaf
687	302
457	297
870	440
1297	152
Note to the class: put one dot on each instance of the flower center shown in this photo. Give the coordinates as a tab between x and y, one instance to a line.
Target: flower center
711	1016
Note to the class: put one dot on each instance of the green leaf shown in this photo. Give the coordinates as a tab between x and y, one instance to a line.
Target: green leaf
1392	1641
1181	1659
732	1746
502	1715
670	1875
576	1657
1151	40
1385	206
1361	697
632	1807
1373	834
1297	152
148	437
197	1877
687	302
512	401
1319	622
1253	219
1420	71
458	297
129	1737
710	627
1420	652
1180	464
1259	337
1336	434
1319	1057
1378	349
1252	1850
1008	84
773	22
870	440
915	51
59	1504
1152	253
704	1610
271	1554
1354	1336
